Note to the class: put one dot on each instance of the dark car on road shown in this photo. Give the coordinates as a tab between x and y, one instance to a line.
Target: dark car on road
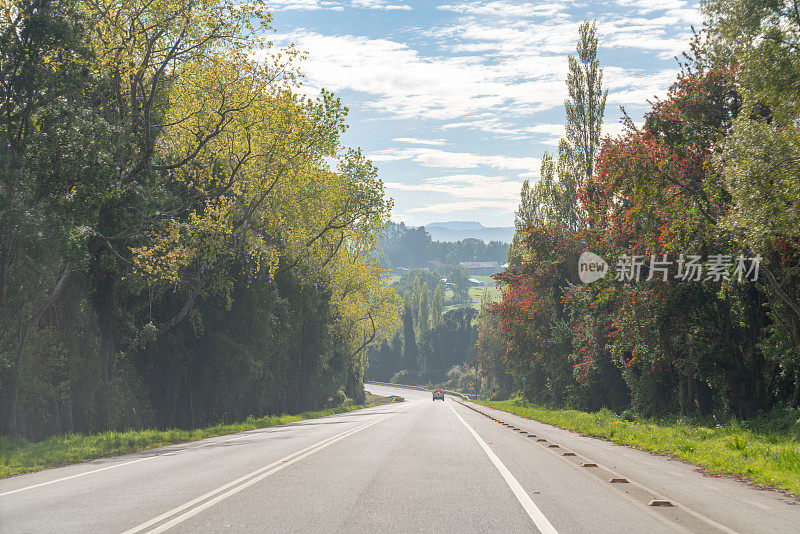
438	394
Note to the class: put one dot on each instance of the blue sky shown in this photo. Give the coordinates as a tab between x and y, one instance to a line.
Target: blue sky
456	102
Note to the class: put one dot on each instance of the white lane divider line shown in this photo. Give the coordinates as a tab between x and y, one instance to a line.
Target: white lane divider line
522	496
246	481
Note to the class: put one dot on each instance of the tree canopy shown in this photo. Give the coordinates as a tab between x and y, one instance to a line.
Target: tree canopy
711	174
179	218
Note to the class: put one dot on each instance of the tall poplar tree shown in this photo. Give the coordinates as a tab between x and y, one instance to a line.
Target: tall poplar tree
424	309
554	198
436	305
586	105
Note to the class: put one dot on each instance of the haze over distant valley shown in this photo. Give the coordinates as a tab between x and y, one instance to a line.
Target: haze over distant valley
458	230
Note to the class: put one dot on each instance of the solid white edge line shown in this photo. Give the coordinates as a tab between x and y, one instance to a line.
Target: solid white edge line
75	476
657	494
171	453
207	442
246	481
522	496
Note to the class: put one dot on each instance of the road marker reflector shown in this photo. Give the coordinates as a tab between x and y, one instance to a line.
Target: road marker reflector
541	440
531	435
588	464
618	480
553	446
567	453
660	502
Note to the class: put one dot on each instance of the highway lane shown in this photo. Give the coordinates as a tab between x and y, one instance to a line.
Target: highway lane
416	466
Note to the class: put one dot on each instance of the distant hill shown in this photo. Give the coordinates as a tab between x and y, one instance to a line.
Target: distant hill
458	230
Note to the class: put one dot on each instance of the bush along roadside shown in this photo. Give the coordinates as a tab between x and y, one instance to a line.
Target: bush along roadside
18	455
765	450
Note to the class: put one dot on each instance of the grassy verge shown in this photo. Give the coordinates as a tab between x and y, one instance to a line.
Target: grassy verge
765	450
19	456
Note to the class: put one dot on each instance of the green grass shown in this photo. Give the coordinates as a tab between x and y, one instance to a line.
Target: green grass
18	455
765	450
392	279
476	293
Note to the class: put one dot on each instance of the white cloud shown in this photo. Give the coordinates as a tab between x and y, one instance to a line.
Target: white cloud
628	86
463	193
406	84
505	9
417	141
303	5
495	73
316	5
468	206
380	4
545	133
491	76
486	28
474	186
431	157
647	6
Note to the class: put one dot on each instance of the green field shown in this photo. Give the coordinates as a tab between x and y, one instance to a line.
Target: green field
475	292
765	450
19	456
392	279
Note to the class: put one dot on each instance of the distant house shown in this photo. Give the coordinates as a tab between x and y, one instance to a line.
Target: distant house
481	267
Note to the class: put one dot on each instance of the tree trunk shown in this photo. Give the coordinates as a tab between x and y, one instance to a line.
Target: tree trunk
24	327
23	330
191	400
105	307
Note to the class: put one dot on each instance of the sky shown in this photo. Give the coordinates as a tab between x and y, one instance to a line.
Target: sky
455	102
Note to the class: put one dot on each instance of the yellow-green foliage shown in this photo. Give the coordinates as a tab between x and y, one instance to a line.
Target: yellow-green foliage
18	455
767	456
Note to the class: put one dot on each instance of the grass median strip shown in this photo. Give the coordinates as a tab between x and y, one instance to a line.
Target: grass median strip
765	450
18	456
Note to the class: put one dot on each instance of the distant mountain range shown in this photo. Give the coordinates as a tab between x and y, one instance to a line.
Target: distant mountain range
458	230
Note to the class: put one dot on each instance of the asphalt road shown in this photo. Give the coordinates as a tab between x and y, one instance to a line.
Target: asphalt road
416	466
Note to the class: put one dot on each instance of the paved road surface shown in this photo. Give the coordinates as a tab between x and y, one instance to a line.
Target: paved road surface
416	466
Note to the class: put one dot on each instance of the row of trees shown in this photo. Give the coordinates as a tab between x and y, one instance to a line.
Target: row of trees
406	246
177	247
714	170
453	279
431	342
